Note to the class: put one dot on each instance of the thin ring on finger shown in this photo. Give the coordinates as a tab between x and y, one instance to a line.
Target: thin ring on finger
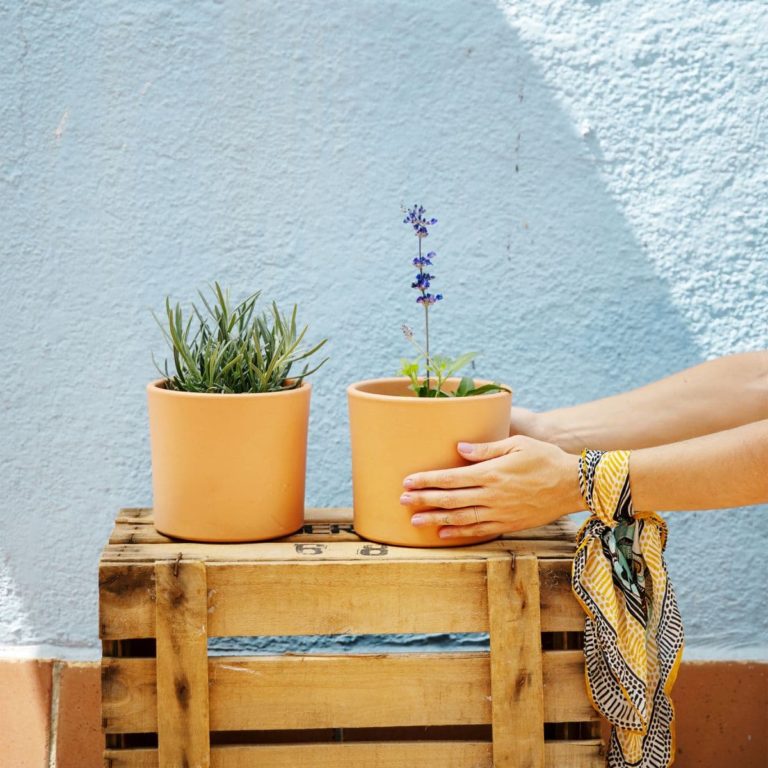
455	517
441	499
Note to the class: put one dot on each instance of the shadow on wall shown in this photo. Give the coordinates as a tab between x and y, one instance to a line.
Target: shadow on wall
297	129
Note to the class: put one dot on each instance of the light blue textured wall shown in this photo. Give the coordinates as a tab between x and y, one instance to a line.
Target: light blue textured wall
599	174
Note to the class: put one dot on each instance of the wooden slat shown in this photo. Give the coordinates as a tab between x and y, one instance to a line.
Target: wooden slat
562	528
136	526
589	753
271	551
135	515
335	691
563	754
126	601
560	610
139	533
359	597
355	598
341	515
182	665
516	663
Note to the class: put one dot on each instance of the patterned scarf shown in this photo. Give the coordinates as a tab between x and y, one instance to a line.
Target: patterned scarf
633	639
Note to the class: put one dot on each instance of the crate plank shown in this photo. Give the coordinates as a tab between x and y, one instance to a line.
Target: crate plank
135	515
367	598
182	665
358	597
126	601
450	754
335	691
516	663
275	551
560	611
562	528
138	533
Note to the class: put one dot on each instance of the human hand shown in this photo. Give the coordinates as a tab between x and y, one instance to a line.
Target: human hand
515	484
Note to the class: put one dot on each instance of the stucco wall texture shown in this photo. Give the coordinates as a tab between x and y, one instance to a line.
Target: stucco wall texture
598	170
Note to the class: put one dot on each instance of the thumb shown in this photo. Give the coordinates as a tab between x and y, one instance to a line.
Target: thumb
485	451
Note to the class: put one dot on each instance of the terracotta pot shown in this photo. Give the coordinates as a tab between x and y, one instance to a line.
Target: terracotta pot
395	433
228	467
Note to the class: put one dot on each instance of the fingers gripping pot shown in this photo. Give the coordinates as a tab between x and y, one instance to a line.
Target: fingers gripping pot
394	433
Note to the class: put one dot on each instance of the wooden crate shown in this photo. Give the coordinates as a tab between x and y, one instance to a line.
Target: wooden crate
167	702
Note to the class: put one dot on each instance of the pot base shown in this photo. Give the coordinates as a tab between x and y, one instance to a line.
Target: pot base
425	545
238	540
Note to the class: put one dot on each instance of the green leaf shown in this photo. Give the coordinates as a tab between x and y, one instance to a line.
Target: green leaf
230	348
466	384
460	362
485	389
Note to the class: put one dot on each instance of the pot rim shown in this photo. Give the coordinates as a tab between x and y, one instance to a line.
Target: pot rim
156	387
353	390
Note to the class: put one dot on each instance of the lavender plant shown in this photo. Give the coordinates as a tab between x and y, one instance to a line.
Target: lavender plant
234	349
438	366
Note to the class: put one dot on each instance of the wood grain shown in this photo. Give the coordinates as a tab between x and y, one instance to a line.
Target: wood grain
370	597
516	663
336	691
182	665
450	754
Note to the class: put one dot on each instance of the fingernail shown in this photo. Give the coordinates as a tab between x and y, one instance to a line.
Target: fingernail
418	520
445	534
408	483
405	499
466	447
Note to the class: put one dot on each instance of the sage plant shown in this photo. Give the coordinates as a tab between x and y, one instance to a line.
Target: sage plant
416	218
441	367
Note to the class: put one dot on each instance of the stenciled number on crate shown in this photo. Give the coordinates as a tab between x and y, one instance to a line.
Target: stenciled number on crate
327	529
373	550
310	549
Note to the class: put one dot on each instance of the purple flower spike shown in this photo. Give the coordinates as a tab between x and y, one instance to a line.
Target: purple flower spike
422	281
415	217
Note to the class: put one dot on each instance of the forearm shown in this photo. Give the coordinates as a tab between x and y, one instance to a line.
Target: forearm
725	469
714	396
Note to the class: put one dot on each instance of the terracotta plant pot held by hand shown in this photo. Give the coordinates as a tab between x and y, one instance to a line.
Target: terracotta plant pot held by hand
395	433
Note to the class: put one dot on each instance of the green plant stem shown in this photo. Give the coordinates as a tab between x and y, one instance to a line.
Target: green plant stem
426	327
426	315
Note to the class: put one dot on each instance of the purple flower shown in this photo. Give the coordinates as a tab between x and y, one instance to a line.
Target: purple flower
422	281
415	217
428	299
424	261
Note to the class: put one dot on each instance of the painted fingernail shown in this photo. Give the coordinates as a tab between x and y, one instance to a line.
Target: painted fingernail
405	499
408	483
465	447
418	520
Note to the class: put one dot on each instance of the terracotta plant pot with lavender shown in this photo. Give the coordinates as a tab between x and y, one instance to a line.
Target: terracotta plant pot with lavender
229	428
414	422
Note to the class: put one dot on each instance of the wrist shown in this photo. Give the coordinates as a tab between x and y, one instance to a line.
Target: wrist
554	429
573	501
